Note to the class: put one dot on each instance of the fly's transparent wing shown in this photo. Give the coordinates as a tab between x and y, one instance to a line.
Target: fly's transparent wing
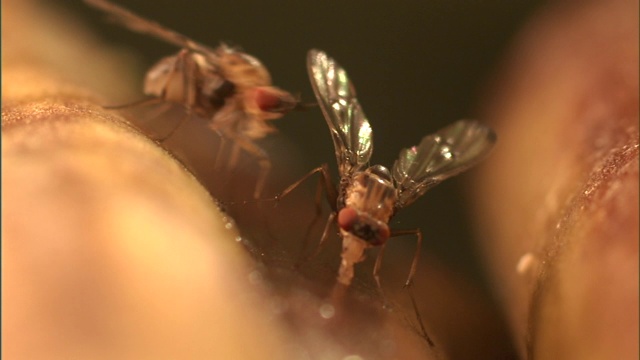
439	156
347	122
141	25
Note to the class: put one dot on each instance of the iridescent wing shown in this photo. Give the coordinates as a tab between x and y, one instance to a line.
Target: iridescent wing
347	122
141	25
446	153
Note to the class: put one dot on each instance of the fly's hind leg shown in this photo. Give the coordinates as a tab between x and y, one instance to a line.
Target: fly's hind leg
414	263
142	102
409	281
181	86
163	108
178	88
416	257
183	119
175	81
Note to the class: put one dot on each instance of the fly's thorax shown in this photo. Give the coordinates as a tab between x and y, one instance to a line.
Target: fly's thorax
369	202
189	79
243	70
372	192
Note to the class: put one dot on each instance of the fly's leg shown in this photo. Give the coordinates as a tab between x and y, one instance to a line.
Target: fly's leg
414	263
325	233
416	257
376	272
164	107
318	206
182	121
215	125
323	238
425	334
329	188
412	271
160	110
234	156
220	154
171	92
258	153
324	183
142	102
187	91
138	24
327	184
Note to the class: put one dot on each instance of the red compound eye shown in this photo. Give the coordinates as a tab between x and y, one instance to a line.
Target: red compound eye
347	217
267	101
382	236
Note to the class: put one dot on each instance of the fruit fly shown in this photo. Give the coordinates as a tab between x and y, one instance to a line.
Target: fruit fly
229	88
369	196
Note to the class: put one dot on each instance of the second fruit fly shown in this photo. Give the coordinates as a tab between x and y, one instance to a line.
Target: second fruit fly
229	88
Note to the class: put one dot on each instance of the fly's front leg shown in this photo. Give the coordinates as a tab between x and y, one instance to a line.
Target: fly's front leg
324	183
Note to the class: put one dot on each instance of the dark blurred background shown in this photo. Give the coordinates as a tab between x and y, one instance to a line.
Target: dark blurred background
417	66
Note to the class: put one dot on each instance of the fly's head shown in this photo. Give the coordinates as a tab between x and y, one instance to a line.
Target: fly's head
268	102
363	226
252	83
369	204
